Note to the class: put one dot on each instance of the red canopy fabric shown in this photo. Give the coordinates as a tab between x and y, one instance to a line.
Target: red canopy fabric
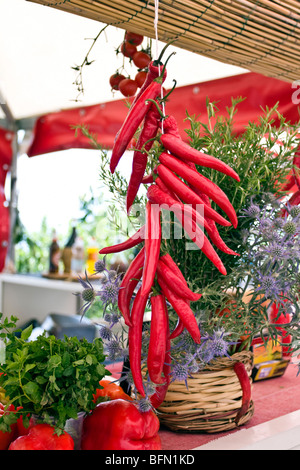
54	131
6	153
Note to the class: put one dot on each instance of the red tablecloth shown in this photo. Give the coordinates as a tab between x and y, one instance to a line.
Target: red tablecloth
272	398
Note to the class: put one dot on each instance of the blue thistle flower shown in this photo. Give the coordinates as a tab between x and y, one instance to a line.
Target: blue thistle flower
214	346
114	350
144	405
253	211
180	373
290	228
295	211
270	285
88	294
105	333
110	291
100	266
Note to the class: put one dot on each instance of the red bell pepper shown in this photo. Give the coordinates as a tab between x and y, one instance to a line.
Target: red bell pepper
43	437
7	437
119	425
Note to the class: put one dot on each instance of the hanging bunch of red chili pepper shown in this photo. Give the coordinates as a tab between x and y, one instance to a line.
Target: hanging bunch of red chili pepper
175	185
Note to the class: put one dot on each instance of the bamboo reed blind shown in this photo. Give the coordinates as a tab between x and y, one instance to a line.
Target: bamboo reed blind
259	35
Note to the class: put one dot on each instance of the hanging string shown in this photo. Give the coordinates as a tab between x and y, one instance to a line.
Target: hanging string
156	7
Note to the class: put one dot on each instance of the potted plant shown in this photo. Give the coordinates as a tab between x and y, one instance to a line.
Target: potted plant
50	380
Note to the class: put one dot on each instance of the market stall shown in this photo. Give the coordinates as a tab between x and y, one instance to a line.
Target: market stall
207	312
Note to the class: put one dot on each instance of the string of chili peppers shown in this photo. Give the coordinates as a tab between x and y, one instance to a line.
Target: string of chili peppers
178	186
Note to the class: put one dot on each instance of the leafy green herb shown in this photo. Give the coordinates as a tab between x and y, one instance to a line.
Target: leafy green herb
47	377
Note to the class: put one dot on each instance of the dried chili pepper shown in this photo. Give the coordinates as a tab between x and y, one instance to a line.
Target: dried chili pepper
170	127
140	156
175	283
182	309
199	238
201	182
187	195
158	339
184	151
168	260
134	118
213	233
129	283
158	396
241	372
135	340
154	70
165	189
152	246
177	330
131	242
147	179
187	216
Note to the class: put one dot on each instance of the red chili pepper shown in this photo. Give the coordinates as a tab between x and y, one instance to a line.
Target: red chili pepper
161	390
165	189
129	283
182	309
135	116
181	149
168	261
170	127
135	340
201	182
295	199
154	71
152	246
187	217
147	179
166	199
214	233
140	156
241	372
158	339
177	330
187	195
199	238
131	242
296	163
175	283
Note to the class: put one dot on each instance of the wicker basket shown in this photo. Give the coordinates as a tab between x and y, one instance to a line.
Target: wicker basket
212	400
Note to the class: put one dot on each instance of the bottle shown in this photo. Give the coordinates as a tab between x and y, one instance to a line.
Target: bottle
54	255
78	256
67	251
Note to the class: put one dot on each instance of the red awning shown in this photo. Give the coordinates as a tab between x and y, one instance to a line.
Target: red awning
54	131
6	153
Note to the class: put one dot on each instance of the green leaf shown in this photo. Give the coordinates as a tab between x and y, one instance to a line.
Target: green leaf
89	359
29	367
26	333
32	390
